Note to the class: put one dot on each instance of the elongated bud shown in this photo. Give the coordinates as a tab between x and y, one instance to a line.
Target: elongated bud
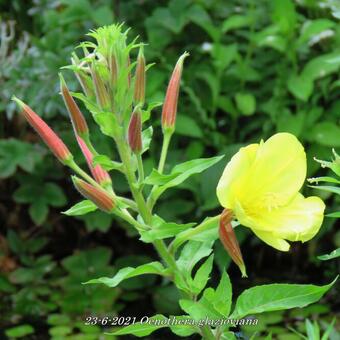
171	98
102	95
135	131
113	68
77	118
139	94
98	196
50	138
229	240
99	174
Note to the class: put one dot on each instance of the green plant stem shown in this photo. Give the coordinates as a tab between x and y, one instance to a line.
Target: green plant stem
165	147
140	168
207	333
123	214
166	142
146	212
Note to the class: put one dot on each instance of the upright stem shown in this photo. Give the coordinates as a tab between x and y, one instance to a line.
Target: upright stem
166	141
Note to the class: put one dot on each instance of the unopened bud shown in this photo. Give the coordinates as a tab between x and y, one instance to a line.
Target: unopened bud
135	131
77	118
50	138
139	94
98	196
171	98
229	240
102	96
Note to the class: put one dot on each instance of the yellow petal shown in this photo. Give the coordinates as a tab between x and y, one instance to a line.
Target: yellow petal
300	220
273	241
276	175
235	170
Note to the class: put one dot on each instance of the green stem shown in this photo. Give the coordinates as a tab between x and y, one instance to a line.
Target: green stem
140	168
123	214
207	333
165	147
166	141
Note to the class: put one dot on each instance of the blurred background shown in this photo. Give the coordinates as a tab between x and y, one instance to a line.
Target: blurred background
255	68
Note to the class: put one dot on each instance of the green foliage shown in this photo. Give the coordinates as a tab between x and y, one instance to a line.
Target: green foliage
255	68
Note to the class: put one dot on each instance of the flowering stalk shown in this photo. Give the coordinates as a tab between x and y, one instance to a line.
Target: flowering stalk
229	240
101	198
77	118
50	138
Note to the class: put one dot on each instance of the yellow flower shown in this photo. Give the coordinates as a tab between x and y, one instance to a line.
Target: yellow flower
261	186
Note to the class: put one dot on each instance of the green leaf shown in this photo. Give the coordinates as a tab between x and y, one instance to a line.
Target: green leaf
327	188
274	297
323	179
191	253
106	163
143	329
161	229
235	22
326	133
128	272
202	275
147	138
147	113
300	86
206	231
19	331
183	330
203	308
334	214
311	29
15	153
179	173
38	211
223	295
187	126
246	103
334	254
321	66
81	208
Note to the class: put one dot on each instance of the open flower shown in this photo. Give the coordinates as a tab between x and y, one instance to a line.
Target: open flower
261	186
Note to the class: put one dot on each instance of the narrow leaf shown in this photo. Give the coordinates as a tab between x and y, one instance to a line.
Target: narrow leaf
81	208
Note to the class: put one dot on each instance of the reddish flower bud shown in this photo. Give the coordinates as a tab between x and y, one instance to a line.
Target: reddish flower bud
55	144
171	98
135	131
99	174
98	196
77	118
139	94
229	240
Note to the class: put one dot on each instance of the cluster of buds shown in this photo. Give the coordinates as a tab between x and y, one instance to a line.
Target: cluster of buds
111	91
